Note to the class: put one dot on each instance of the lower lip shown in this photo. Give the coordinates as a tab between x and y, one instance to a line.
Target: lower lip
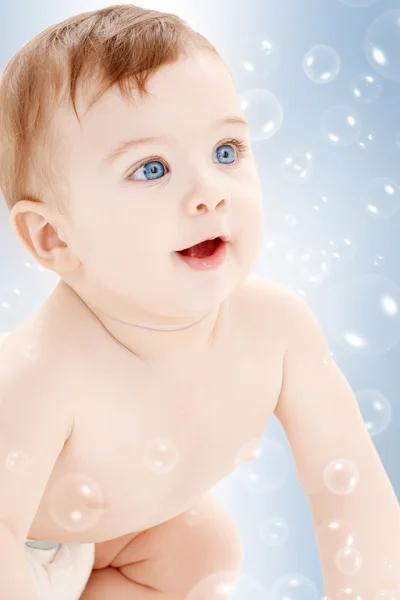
208	263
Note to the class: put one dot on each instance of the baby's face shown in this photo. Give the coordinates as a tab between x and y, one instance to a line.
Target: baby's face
131	214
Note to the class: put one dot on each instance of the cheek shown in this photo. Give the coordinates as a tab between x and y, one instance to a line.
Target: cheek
124	247
251	196
252	215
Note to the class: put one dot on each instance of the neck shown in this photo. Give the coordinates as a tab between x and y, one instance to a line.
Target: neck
151	343
158	340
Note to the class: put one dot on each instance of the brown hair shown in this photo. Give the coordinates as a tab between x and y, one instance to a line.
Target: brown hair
121	44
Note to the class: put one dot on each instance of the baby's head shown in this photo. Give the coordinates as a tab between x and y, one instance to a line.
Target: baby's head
106	215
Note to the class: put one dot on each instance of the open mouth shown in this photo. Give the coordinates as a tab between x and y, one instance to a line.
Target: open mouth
202	250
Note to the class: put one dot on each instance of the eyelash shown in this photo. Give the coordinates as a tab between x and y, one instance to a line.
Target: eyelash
240	146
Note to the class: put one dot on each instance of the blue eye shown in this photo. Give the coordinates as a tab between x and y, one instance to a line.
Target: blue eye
228	150
154	169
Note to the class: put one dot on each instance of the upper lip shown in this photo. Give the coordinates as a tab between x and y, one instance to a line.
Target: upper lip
224	238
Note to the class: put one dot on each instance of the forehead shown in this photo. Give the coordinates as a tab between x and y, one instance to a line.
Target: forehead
188	94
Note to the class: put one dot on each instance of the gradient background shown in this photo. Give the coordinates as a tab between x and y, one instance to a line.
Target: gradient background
320	239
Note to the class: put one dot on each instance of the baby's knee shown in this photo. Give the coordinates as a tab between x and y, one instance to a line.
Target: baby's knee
218	539
222	543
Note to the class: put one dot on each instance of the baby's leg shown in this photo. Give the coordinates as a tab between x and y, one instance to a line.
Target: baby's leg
166	561
110	584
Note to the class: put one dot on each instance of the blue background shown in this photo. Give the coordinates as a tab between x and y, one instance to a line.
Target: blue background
340	174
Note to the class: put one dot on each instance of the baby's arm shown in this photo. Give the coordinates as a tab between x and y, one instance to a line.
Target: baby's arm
321	418
33	430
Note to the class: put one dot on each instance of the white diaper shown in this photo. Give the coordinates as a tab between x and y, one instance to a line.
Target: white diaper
60	571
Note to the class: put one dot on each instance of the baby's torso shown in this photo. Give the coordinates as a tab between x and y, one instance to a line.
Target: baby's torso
147	443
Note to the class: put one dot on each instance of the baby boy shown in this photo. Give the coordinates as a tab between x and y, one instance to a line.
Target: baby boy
150	372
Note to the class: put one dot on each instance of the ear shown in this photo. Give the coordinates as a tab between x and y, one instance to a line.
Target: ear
36	227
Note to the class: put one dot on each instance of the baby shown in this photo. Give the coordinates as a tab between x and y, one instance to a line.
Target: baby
150	372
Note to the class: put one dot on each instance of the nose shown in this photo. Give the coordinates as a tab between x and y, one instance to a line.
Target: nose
208	199
210	205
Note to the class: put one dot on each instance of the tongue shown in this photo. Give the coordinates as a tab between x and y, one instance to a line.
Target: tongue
201	250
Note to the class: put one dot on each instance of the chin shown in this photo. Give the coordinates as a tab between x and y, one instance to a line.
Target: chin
205	300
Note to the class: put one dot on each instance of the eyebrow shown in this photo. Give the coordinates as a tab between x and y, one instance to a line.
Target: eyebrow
123	147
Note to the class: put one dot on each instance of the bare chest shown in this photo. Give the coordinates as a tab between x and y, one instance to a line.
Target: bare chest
147	444
144	449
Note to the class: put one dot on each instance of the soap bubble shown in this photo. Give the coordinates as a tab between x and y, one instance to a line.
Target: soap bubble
227	585
343	248
382	44
262	465
364	314
290	220
366	139
260	58
375	409
340	125
10	299
341	477
349	593
161	455
334	534
294	587
313	266
76	502
17	461
297	167
274	531
263	113
366	88
348	560
382	197
321	64
379	260
276	255
320	204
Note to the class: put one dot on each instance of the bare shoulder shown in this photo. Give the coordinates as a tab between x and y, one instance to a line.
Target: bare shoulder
31	372
267	292
270	304
278	301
